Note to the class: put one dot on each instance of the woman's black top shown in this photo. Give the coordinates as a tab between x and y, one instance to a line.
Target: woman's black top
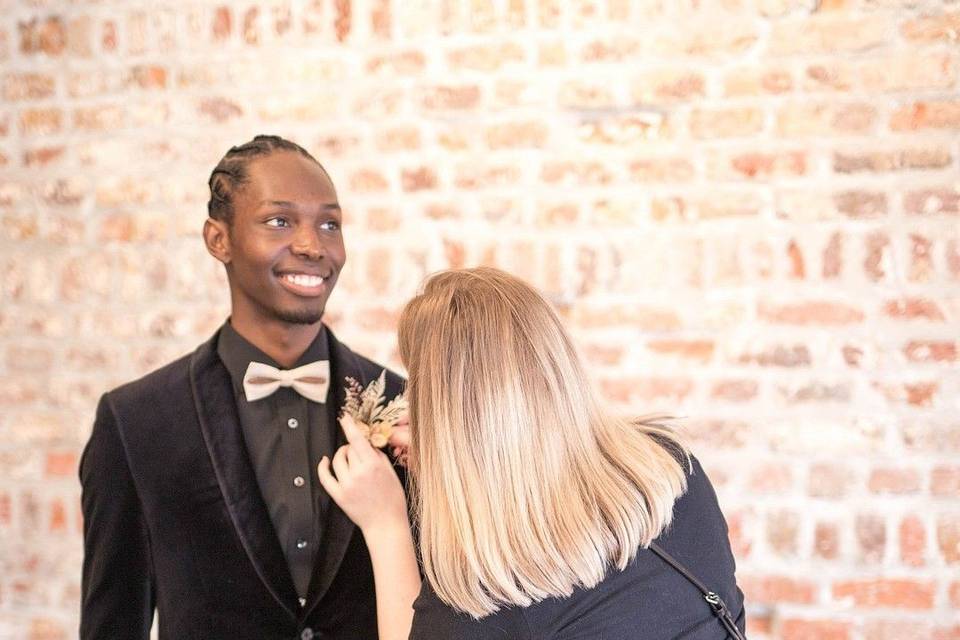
648	600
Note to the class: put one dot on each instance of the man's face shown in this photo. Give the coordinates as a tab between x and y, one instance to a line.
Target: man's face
285	243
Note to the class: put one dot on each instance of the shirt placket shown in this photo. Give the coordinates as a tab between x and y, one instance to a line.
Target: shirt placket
301	542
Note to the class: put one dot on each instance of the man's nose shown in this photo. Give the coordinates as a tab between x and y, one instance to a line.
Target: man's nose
307	243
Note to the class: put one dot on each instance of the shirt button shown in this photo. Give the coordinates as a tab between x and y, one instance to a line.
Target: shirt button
293	423
298	481
306	634
301	544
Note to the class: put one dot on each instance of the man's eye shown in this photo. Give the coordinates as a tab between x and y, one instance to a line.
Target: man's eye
278	222
331	225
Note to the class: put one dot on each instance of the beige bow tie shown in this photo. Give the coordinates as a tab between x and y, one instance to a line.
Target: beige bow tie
311	380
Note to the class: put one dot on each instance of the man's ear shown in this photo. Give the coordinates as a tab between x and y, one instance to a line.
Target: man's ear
216	235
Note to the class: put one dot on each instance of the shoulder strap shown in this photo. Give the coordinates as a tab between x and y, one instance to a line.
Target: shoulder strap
716	603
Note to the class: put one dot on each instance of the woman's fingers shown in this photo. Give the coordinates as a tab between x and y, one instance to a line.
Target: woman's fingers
327	481
400	438
341	466
360	447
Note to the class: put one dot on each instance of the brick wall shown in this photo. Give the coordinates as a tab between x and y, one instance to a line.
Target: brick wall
747	211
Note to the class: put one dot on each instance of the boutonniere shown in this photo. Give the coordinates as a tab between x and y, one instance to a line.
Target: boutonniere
375	417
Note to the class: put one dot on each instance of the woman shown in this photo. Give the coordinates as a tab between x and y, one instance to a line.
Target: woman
535	509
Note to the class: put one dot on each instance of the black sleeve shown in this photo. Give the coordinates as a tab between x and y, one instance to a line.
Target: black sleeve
435	620
117	594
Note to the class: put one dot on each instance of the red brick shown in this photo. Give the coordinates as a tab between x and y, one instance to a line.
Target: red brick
517	135
949	632
46	629
480	176
576	173
585	95
816	119
61	463
887	592
944	201
654	389
954	593
826	541
948	538
726	122
102	118
833	257
913	541
797	629
756	81
707	39
942	26
945	481
931	351
485	57
369	181
219	110
777	589
810	313
895	630
895	481
877	250
913	309
42	156
108	36
782	529
861	204
418	179
343	19
450	97
41	121
149	76
404	63
697	350
222	23
667	86
740	530
661	169
763	166
734	390
908	72
927	115
770	479
399	138
882	161
828	33
47	36
28	86
952	258
829	481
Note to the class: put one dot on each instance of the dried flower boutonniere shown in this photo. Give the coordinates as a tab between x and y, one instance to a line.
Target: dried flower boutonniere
375	418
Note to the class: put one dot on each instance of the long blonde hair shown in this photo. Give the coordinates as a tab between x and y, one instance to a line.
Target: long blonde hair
523	487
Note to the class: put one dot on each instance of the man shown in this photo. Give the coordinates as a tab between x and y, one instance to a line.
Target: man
200	498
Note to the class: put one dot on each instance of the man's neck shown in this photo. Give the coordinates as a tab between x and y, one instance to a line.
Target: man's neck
283	341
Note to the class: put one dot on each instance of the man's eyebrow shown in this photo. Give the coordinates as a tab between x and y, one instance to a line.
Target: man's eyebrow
284	204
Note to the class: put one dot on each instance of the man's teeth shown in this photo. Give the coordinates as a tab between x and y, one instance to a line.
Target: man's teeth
304	281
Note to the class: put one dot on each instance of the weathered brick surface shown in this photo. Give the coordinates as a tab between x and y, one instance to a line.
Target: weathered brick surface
746	211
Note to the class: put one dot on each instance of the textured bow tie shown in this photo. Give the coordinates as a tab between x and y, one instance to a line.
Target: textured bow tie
311	380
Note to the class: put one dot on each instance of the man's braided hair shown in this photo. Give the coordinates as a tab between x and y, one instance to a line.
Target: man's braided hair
230	174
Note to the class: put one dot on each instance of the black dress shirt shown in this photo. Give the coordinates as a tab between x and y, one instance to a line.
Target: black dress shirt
285	435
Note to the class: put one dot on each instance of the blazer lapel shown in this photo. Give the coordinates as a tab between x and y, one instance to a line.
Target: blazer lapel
338	529
217	412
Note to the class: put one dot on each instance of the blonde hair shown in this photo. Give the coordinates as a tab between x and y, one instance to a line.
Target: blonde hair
523	487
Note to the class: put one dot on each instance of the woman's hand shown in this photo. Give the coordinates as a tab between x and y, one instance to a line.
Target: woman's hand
400	440
365	484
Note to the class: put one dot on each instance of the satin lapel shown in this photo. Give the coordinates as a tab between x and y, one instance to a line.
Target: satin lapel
338	528
217	411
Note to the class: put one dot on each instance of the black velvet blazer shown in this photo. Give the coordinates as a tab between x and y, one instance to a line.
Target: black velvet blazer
174	520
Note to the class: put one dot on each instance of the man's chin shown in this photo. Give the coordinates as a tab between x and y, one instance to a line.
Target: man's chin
299	316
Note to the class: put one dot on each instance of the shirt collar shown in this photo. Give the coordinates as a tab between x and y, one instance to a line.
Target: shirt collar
237	352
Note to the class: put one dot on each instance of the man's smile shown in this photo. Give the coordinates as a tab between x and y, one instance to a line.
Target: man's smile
308	285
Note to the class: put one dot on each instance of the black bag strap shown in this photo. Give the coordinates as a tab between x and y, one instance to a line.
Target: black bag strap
716	603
